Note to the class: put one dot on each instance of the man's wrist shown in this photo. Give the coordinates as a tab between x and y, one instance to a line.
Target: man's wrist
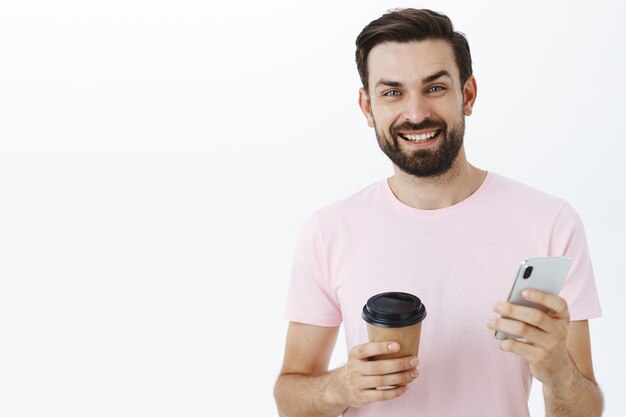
572	394
567	379
563	379
332	393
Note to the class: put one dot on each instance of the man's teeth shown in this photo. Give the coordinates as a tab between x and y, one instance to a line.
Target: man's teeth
421	138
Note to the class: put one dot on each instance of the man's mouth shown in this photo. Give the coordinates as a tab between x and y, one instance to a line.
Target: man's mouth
420	138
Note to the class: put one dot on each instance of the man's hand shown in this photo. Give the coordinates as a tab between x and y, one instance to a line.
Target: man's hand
361	377
544	334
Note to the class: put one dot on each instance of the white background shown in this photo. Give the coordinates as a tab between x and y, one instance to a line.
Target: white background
157	160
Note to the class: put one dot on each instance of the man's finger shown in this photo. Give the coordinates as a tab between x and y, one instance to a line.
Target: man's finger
400	378
389	366
367	350
530	315
371	395
525	350
555	303
532	334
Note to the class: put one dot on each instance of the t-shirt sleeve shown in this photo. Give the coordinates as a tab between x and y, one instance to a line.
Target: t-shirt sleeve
310	298
579	289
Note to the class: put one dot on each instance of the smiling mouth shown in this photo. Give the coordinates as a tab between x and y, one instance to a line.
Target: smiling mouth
420	138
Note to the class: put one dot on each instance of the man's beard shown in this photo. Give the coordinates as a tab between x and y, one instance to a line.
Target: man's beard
424	162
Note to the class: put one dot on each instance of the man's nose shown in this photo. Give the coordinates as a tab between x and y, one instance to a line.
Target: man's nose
417	108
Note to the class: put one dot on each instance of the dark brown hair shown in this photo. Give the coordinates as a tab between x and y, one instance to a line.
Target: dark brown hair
406	25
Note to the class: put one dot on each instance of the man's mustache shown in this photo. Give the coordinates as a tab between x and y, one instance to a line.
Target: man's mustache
424	124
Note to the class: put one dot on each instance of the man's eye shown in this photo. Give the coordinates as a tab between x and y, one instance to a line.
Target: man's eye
436	89
391	93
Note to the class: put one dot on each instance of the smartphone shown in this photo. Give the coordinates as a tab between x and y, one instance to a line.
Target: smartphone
545	274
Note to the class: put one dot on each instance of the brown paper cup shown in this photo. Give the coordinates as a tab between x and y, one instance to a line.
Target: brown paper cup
408	337
395	316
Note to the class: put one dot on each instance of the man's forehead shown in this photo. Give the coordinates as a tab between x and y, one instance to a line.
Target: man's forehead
411	60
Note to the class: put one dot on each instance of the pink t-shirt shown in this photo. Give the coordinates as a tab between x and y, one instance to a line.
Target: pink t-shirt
459	260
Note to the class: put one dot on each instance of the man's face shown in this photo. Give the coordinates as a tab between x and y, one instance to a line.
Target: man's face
417	105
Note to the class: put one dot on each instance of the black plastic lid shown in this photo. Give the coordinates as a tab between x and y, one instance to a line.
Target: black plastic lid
393	309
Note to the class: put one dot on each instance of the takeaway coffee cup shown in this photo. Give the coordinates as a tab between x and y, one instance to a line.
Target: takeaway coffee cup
395	316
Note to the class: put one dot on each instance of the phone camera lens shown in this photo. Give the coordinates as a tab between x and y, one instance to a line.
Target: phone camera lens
528	271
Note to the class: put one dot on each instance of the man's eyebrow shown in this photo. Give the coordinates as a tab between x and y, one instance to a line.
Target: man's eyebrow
388	83
436	75
430	78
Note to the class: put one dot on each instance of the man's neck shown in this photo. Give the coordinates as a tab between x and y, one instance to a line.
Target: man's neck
433	193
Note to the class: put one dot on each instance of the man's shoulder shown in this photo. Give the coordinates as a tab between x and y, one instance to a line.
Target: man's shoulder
351	205
519	193
363	197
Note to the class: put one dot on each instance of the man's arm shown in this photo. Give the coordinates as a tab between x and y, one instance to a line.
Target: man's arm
558	352
303	384
579	393
305	387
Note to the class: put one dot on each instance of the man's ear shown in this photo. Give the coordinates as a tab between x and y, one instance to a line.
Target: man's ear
469	95
366	107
